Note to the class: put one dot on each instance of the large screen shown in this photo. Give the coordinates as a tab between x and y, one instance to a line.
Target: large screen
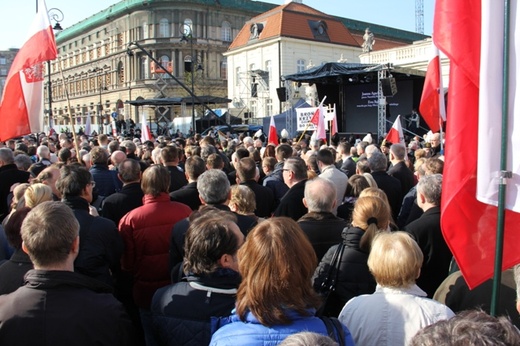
361	106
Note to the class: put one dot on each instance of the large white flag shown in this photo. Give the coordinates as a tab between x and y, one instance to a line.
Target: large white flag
490	107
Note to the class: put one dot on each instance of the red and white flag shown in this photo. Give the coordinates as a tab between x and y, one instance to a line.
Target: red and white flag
330	116
318	119
272	137
21	111
146	135
432	107
469	225
395	135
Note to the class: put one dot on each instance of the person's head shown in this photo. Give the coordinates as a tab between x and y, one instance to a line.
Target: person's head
43	152
270	151
6	156
242	200
371	214
103	139
294	171
377	162
246	169
36	194
362	166
397	152
129	146
75	181
113	146
156	180
324	157
356	184
308	339
283	152
344	148
99	156
13	227
117	157
395	259
268	164
435	140
64	155
212	242
194	167
471	328
49	176
276	264
170	155
129	171
213	186
429	191
23	162
371	149
361	147
433	165
50	234
214	161
320	195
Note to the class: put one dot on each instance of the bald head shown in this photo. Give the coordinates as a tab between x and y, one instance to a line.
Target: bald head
117	157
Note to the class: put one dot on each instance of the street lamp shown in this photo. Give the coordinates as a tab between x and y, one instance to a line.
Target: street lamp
57	16
187	35
102	86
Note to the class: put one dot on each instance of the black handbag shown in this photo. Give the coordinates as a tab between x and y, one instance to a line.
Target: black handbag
328	285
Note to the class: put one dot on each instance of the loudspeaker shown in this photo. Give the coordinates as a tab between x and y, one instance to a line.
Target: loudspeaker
254	90
389	86
282	94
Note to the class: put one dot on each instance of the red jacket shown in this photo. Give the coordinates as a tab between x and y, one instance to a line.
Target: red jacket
146	234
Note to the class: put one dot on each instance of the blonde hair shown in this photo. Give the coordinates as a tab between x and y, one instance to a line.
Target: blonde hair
36	194
395	259
371	214
242	199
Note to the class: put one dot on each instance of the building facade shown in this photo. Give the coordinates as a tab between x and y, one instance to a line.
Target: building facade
6	59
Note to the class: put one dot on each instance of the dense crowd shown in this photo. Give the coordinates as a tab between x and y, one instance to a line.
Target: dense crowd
233	241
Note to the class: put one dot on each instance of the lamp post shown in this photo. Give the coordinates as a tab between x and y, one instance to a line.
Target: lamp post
57	16
187	35
102	86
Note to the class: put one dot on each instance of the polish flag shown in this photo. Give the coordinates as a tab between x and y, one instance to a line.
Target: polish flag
146	135
432	106
318	119
21	110
467	31
273	137
395	135
331	117
88	125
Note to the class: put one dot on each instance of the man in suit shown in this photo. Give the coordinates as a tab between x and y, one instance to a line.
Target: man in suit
131	195
294	176
246	175
170	159
325	161
426	231
346	164
390	185
189	194
399	170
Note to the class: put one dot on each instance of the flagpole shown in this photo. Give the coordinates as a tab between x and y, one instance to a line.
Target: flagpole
309	123
504	174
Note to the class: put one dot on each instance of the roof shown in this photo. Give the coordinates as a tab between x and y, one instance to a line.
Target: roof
294	20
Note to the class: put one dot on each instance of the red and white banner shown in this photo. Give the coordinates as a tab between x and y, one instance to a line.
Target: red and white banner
146	135
21	110
272	138
432	107
469	225
318	119
395	135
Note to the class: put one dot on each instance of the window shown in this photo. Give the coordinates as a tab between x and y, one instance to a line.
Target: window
120	73
269	69
269	107
144	68
252	108
187	28
3	72
164	60
164	28
226	32
3	61
237	76
300	65
145	30
223	68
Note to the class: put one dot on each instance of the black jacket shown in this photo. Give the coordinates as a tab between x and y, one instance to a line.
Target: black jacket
12	272
264	198
63	308
404	174
392	188
177	178
188	194
100	246
323	230
9	175
182	312
291	204
354	278
118	204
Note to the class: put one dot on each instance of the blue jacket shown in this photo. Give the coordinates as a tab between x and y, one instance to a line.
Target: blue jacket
232	331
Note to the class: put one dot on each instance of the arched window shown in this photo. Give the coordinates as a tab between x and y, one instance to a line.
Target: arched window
226	32
164	28
223	68
120	73
187	28
164	60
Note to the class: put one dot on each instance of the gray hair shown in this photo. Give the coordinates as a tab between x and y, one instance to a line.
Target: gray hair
6	155
320	195
213	186
398	150
430	186
23	162
298	167
377	162
43	151
308	339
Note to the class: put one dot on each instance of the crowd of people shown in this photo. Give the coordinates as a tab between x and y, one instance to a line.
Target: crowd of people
205	241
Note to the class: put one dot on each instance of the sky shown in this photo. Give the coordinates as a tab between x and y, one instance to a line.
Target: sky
400	14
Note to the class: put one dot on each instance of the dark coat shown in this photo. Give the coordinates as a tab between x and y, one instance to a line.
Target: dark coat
276	184
264	198
100	246
354	277
9	175
392	188
291	204
39	166
323	230
182	313
188	195
12	272
118	204
426	231
404	174
63	308
106	180
348	166
177	178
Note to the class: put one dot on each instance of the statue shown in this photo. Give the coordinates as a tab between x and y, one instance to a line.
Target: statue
368	41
